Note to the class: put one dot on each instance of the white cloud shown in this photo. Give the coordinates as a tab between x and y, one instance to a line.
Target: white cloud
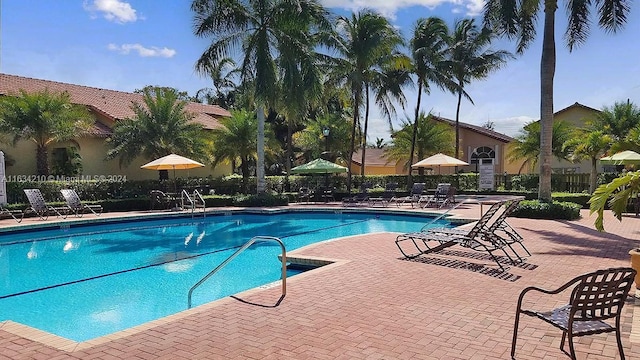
142	51
112	10
389	8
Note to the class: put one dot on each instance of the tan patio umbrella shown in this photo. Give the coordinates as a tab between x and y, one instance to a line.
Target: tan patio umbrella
438	160
172	162
626	157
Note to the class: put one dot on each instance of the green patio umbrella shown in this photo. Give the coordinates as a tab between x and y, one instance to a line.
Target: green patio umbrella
319	166
626	157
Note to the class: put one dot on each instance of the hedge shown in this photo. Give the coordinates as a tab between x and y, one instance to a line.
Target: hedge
534	209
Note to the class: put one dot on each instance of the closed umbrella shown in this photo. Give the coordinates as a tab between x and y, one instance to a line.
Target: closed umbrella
172	162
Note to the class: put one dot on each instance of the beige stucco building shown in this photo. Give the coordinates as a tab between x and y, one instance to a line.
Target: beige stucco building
107	107
478	146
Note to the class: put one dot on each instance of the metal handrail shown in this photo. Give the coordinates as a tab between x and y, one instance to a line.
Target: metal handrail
184	194
426	226
198	196
241	249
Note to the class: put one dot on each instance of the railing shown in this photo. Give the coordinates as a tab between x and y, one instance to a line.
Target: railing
233	256
185	199
465	201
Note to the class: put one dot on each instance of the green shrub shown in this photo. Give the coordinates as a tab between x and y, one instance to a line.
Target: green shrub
534	209
578	198
260	200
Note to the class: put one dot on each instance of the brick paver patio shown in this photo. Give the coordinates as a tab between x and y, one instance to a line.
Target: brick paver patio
372	304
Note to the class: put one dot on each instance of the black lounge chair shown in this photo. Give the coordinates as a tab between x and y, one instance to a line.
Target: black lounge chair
13	213
473	239
595	298
158	197
387	196
362	198
76	206
414	195
304	193
39	206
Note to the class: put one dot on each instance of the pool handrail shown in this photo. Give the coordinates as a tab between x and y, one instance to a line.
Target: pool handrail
241	249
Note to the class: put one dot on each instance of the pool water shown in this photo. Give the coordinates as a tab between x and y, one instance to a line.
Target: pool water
84	282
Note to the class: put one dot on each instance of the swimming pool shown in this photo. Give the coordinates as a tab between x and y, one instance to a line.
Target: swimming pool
82	282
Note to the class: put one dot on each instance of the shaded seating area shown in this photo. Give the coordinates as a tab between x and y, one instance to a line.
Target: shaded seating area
478	238
596	300
39	206
76	206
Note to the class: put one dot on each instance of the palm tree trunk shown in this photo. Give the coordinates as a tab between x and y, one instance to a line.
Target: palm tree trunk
42	160
547	72
415	133
458	125
287	162
261	181
593	178
364	135
356	112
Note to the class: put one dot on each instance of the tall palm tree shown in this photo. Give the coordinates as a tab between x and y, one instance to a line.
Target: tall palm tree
428	44
517	19
43	118
366	42
471	58
589	143
432	137
526	146
161	126
259	30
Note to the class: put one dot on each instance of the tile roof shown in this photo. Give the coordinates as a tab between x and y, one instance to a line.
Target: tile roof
372	157
479	129
112	104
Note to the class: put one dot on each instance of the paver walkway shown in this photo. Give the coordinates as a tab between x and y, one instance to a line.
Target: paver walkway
371	304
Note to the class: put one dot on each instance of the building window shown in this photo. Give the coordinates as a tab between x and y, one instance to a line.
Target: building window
483	155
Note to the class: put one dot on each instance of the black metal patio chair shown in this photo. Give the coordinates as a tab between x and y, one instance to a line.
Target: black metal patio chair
76	206
39	206
595	298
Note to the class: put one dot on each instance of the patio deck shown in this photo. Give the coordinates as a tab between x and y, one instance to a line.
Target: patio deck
372	304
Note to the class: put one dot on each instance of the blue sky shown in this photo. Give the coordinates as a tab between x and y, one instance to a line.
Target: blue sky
128	44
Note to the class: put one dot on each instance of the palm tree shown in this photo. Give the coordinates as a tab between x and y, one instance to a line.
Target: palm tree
260	29
43	118
313	143
236	141
428	47
161	126
591	144
527	145
619	122
515	18
366	42
470	58
432	137
221	74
